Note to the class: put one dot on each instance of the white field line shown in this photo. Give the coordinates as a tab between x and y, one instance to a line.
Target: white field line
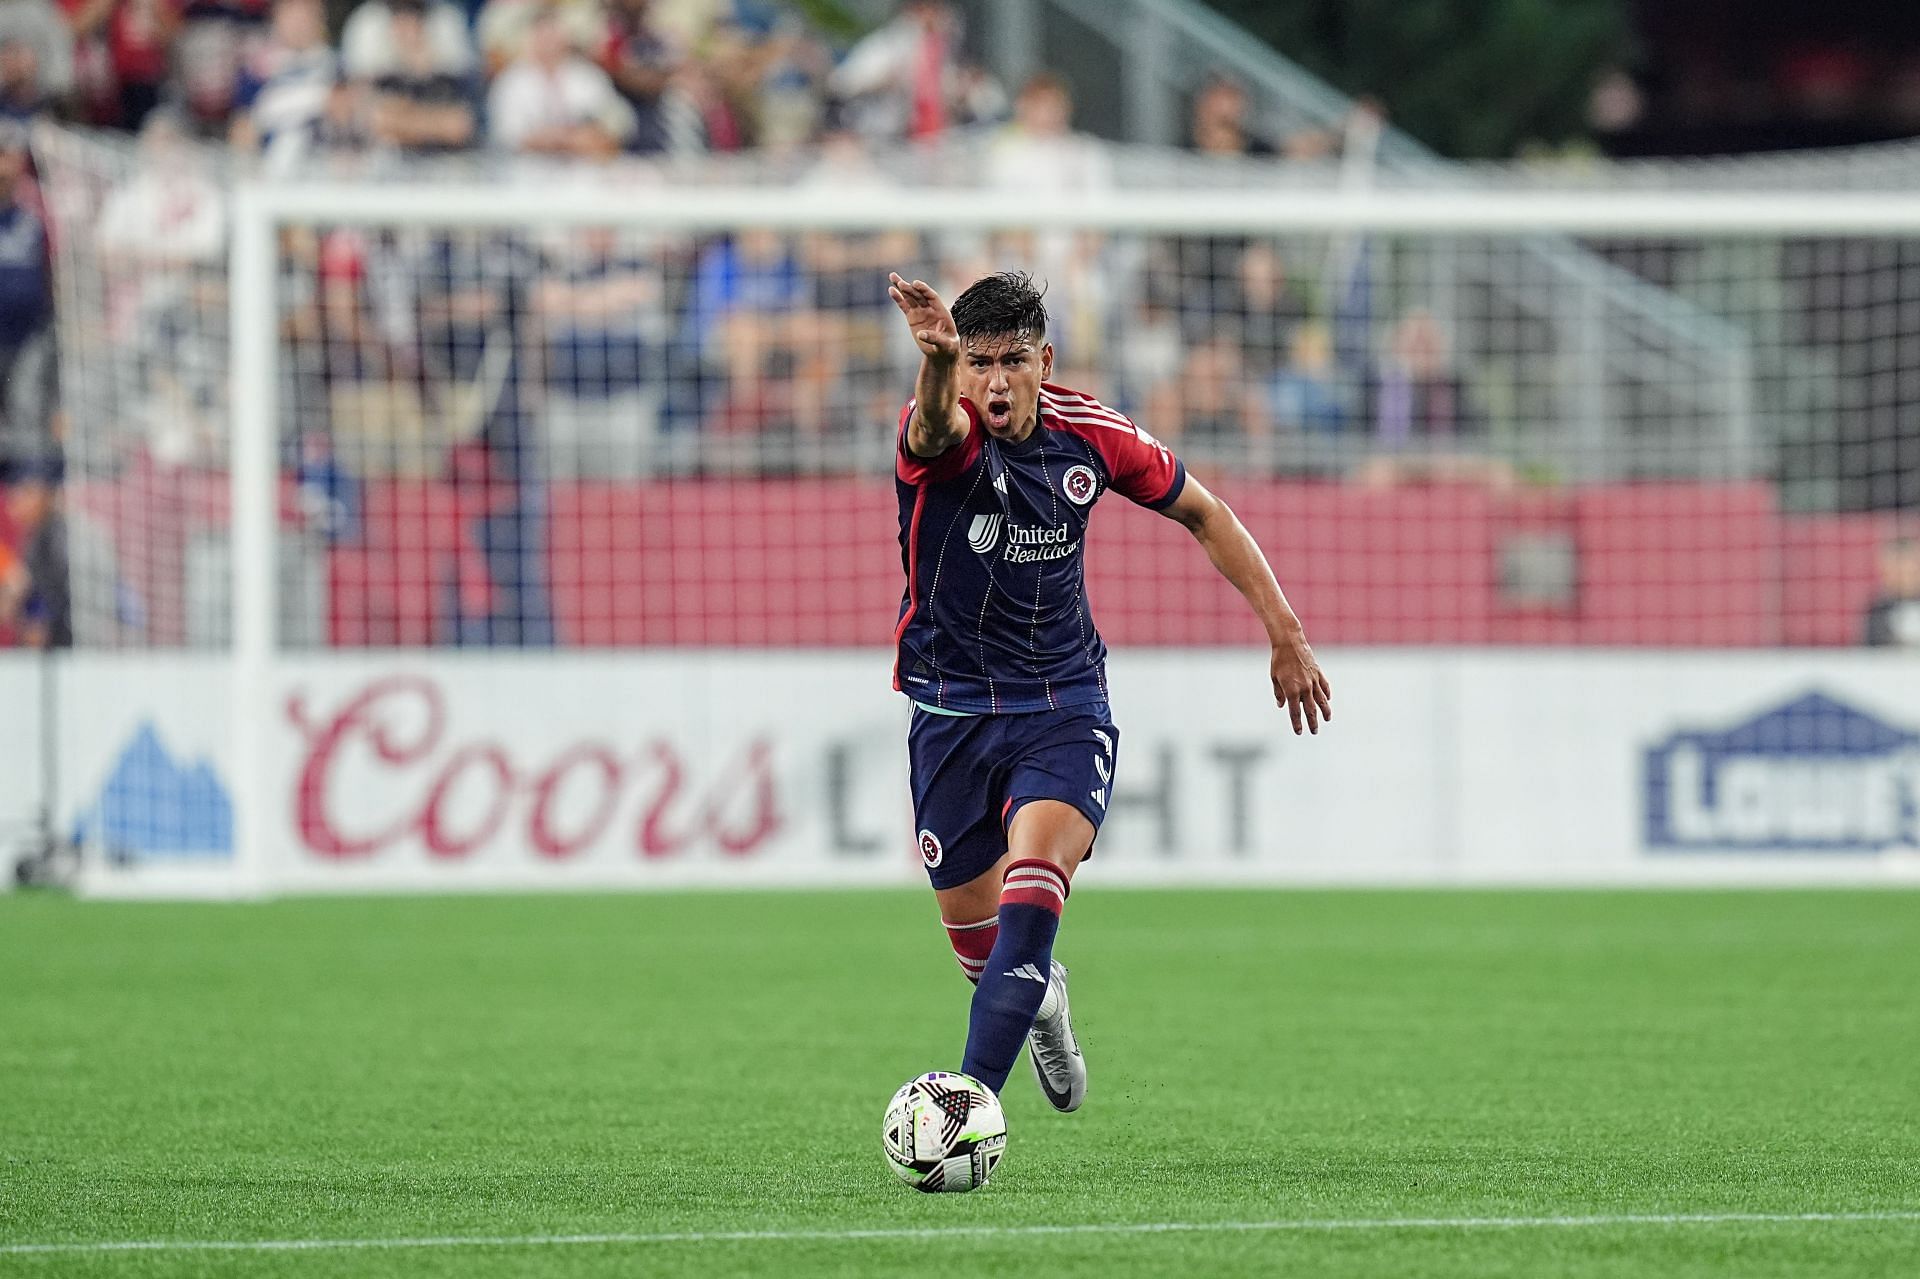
1299	1225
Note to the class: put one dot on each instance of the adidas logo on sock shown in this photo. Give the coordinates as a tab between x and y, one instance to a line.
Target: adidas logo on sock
1025	970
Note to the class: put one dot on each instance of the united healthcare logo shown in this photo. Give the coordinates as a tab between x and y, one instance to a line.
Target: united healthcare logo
1811	776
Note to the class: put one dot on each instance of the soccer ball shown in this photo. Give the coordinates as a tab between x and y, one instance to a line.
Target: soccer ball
944	1131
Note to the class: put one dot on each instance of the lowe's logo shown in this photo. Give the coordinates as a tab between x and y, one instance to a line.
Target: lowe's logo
1812	776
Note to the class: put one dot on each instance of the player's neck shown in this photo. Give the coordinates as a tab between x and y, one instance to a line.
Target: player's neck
1026	432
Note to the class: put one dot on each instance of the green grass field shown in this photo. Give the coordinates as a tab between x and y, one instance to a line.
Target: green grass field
703	1066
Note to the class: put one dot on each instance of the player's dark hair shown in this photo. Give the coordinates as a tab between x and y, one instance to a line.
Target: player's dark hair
1000	305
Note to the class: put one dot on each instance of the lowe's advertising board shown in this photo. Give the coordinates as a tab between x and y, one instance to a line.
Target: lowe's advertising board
447	772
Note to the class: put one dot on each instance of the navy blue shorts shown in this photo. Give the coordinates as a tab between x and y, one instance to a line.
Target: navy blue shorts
972	773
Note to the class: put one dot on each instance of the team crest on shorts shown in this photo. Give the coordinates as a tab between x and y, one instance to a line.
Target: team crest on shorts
930	850
1079	484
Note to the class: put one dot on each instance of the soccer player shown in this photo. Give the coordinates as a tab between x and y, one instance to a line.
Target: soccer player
1012	749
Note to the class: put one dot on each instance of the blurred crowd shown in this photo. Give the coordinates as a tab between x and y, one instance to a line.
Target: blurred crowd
571	78
503	360
35	610
611	352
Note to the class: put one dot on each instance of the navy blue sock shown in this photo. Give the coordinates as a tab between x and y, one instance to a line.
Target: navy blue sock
1014	980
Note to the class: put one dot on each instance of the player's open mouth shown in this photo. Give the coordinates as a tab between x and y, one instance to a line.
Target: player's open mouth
999	413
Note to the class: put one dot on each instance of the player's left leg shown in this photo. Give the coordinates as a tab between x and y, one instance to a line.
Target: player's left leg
1052	1046
1058	784
1047	840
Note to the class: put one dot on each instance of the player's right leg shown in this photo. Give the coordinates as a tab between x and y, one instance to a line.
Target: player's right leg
970	912
956	776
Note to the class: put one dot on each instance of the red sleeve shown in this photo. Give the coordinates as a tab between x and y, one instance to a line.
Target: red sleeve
914	469
1140	467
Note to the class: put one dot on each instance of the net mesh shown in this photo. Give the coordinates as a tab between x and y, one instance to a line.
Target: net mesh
620	436
140	240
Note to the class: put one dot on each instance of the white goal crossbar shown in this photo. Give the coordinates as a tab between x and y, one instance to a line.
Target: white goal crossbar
1481	212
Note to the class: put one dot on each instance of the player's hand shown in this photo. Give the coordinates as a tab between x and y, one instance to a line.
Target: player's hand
1300	685
927	316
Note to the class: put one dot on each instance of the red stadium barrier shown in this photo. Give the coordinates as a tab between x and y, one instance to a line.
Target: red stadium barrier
1679	564
813	563
1831	566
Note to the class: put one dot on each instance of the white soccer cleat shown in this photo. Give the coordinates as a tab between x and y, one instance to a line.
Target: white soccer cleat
1055	1053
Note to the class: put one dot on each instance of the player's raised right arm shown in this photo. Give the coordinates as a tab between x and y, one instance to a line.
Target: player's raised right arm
938	422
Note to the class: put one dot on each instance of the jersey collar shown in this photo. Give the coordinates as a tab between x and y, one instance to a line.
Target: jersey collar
1029	445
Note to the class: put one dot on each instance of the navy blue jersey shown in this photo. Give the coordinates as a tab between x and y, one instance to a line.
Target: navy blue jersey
994	619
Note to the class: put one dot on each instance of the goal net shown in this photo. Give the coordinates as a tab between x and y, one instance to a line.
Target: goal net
654	410
661	430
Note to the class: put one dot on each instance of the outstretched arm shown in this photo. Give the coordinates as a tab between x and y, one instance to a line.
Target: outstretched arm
938	422
1298	682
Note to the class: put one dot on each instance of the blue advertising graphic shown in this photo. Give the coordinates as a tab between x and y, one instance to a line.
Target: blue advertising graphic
155	805
1812	776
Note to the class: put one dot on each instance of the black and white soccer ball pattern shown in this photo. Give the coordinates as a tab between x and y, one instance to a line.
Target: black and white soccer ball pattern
944	1132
